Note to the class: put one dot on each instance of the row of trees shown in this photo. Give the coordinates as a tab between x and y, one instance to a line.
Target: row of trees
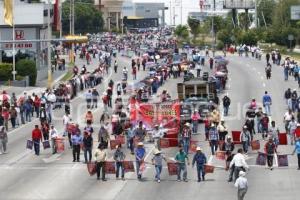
274	26
87	18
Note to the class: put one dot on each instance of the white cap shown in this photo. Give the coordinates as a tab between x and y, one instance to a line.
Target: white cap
198	149
242	173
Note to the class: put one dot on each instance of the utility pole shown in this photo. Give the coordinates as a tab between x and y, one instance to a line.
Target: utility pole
49	46
170	13
181	12
256	20
213	29
174	16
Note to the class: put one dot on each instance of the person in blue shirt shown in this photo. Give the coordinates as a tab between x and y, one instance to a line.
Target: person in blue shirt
200	160
140	154
297	150
267	102
76	141
130	138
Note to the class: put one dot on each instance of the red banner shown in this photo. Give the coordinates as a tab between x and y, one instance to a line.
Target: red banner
164	143
172	168
128	166
110	167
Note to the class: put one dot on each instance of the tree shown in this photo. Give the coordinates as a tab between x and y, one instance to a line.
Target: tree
194	25
182	31
87	18
26	67
265	10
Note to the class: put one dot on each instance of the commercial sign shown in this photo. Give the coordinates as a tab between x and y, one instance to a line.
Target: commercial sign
295	12
20	34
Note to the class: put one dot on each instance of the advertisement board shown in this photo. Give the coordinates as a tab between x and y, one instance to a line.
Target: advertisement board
20	34
239	4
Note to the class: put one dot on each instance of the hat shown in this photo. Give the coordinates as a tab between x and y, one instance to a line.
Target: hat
140	144
156	125
245	127
187	124
212	125
242	173
156	151
298	124
228	137
198	149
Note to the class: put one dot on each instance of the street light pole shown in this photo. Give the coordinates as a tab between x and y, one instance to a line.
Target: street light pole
49	46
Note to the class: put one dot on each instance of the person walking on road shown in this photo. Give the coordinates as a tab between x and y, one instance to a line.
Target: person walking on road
119	158
87	146
297	150
37	138
186	137
116	66
76	142
95	95
3	140
181	158
242	184
270	150
88	98
245	138
53	136
200	160
157	162
195	121
140	154
267	102
239	163
100	157
226	103
213	137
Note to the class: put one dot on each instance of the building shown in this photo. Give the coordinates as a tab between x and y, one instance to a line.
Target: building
30	24
143	15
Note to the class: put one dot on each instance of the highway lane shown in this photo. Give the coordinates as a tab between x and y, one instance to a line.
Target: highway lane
31	178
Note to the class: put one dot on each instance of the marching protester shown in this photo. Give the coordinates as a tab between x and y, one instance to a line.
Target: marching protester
200	160
76	142
186	137
222	130
226	103
242	184
270	150
195	120
87	146
267	102
100	158
239	163
53	136
213	138
140	154
245	138
37	139
157	162
119	158
297	151
181	158
3	140
157	134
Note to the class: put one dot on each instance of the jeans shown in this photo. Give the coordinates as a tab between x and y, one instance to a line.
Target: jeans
139	174
270	160
236	172
245	146
87	151
37	111
198	72
298	156
28	116
131	145
186	145
13	122
53	145
76	152
195	126
241	193
181	167
258	124
226	109
36	144
3	143
267	109
158	169
200	172
213	146
119	165
100	166
22	117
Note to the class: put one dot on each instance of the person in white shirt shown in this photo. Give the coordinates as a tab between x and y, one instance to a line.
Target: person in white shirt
53	136
157	134
242	184
239	163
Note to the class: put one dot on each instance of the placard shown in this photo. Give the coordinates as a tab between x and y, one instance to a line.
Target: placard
128	166
261	159
91	167
172	168
110	167
282	160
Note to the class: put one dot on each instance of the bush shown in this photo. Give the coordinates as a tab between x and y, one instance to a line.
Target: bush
26	67
5	71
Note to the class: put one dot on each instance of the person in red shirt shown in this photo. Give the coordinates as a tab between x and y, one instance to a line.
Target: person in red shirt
36	138
37	105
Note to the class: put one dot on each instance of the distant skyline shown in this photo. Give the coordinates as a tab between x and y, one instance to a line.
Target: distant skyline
187	6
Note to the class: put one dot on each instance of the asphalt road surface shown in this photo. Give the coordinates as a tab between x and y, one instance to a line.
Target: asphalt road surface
26	176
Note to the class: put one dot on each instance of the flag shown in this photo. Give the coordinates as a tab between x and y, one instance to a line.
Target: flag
8	12
172	168
164	143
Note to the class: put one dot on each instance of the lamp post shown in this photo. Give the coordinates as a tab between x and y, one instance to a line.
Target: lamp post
49	3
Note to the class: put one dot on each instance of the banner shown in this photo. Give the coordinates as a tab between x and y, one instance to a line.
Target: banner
193	146
220	155
282	138
29	144
110	167
282	161
255	145
172	168
8	12
209	169
46	144
142	112
128	166
261	159
60	145
91	167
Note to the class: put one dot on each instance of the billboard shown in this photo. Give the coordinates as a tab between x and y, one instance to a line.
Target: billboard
20	34
295	12
239	4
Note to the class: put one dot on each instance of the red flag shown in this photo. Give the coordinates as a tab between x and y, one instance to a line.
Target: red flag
209	169
128	166
172	168
110	167
255	145
91	167
282	138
